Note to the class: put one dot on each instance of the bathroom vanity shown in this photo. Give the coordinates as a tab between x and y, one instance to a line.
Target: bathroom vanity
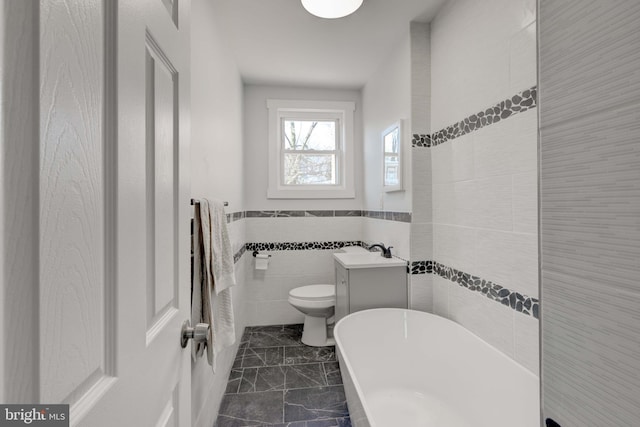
367	280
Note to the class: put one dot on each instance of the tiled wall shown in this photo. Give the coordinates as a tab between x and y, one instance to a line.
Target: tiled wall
478	164
590	212
301	244
421	291
268	290
482	53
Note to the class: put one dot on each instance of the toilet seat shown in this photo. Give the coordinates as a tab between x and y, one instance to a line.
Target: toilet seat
314	293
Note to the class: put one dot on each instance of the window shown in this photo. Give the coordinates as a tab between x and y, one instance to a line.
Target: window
310	149
392	157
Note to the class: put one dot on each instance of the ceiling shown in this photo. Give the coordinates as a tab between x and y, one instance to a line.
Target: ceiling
278	42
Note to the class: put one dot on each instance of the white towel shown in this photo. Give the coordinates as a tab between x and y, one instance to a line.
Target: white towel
219	276
223	265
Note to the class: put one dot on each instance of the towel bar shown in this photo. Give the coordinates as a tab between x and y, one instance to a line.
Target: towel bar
195	202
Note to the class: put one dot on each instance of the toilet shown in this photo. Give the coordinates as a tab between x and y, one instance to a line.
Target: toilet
317	303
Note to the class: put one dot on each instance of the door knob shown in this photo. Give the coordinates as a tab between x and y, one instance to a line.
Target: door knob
198	334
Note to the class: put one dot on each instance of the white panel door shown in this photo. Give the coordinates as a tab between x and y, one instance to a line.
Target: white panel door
114	210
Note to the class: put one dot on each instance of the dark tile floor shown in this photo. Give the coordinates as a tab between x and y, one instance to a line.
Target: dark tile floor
276	381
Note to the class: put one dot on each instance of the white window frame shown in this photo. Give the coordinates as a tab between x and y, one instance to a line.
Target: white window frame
343	113
399	154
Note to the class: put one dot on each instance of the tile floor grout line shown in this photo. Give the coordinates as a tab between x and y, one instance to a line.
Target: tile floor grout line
318	362
285	389
326	379
283	366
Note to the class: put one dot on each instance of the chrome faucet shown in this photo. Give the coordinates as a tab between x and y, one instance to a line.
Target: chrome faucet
386	252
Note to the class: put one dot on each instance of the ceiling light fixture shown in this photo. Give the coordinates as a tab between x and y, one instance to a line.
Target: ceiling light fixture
331	9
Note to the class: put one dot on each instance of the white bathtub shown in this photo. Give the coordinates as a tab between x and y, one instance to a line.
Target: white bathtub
405	368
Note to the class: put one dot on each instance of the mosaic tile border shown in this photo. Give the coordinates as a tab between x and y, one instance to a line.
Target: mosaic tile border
385	215
421	267
388	215
235	216
421	140
238	255
299	246
303	246
518	103
517	301
299	214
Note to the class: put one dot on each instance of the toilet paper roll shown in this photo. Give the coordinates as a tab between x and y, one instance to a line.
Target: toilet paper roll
262	261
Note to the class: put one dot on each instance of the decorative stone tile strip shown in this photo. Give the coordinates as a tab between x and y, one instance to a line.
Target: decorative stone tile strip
517	301
299	246
422	267
518	103
302	246
421	140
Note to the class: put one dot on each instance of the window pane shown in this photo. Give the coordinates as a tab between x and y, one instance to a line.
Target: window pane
391	141
391	170
309	135
309	169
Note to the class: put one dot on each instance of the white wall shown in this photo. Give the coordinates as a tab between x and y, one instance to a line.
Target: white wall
216	113
216	173
386	98
485	182
268	290
256	126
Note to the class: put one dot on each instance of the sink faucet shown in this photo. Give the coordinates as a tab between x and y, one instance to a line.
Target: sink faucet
386	252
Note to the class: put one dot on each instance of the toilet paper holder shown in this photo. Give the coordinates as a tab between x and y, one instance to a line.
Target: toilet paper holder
254	253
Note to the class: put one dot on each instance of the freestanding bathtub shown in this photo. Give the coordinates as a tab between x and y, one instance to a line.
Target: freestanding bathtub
405	368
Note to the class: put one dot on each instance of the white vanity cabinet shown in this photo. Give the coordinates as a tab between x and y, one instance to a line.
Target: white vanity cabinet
367	282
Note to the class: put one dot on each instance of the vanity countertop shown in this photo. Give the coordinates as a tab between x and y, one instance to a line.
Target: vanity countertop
366	259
